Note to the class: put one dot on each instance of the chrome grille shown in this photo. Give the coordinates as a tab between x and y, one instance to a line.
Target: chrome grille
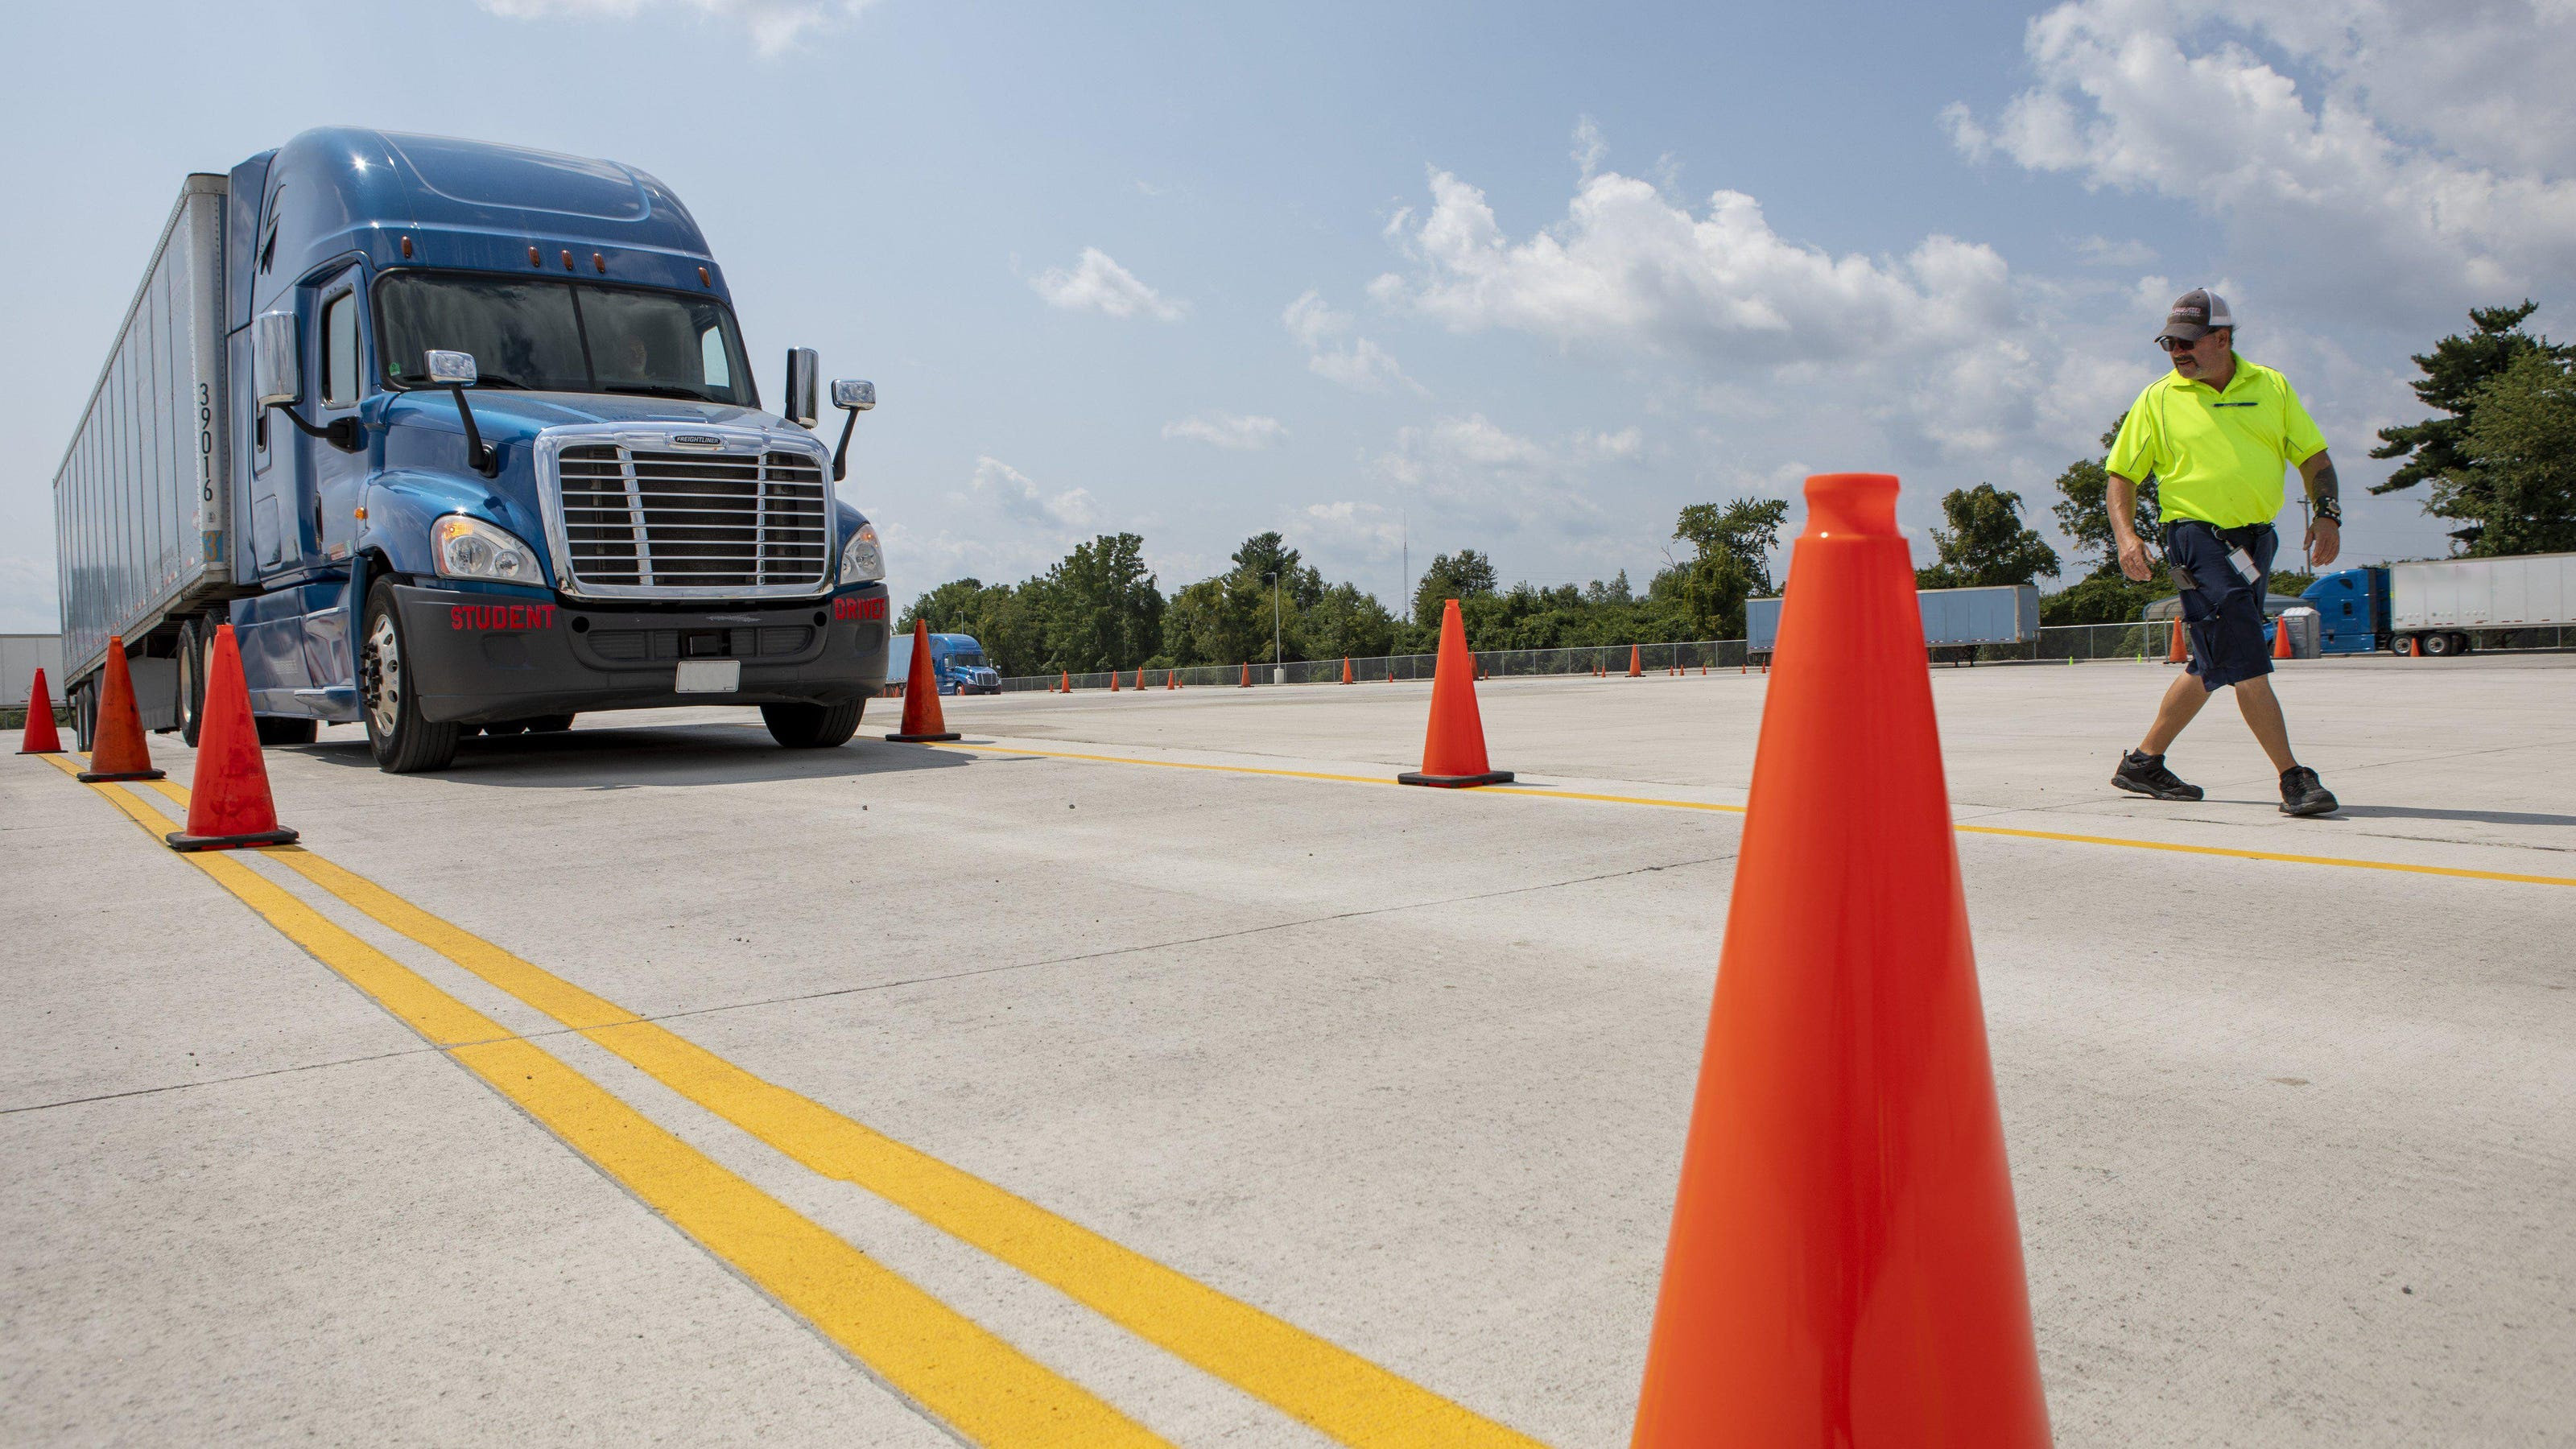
635	518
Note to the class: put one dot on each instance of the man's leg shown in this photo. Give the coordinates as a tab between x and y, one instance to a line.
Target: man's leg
2262	709
2183	699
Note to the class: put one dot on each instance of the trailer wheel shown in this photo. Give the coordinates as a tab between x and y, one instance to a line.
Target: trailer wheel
195	638
402	740
813	726
2397	645
2460	643
84	704
2439	645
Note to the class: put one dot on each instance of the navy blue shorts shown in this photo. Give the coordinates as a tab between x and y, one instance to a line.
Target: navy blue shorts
2221	608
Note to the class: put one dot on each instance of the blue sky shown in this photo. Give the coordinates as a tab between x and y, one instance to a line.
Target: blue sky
1513	277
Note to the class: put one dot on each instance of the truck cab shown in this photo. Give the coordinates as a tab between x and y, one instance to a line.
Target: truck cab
500	458
957	664
2352	610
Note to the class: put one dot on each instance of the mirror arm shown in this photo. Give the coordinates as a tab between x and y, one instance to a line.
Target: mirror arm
841	454
481	456
344	434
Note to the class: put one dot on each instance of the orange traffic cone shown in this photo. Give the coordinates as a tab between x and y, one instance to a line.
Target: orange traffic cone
922	719
1636	663
1346	669
1171	680
1453	746
40	737
1068	681
117	751
2176	651
1113	681
2281	647
1247	675
1140	676
1390	674
1845	1264
2415	647
228	801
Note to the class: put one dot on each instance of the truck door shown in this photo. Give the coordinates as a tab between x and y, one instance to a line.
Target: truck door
340	382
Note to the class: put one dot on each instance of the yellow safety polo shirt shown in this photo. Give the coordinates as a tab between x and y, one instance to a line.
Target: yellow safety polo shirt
2217	456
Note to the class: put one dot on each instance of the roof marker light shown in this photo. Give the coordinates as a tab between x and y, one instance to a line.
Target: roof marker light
533	259
598	263
406	248
567	260
703	279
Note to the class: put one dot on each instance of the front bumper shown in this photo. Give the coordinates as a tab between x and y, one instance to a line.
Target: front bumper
479	658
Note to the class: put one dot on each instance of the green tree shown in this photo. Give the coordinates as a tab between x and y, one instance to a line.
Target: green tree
1466	575
1747	529
1100	607
2517	488
998	615
2456	373
2084	509
1986	544
1342	623
1264	554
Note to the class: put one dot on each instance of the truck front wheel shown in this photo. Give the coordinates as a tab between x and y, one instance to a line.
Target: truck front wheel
403	741
813	726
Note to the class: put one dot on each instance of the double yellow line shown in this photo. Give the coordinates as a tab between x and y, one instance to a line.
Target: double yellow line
960	1372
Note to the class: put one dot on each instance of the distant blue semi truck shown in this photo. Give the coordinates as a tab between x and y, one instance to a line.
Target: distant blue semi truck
457	436
956	660
2443	604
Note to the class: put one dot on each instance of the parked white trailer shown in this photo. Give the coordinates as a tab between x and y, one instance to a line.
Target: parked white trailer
21	655
141	498
2442	601
1952	618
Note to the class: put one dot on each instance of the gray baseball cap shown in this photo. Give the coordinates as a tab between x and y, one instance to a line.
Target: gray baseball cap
2195	315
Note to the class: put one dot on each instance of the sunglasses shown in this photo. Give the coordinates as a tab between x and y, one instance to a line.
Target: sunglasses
2176	344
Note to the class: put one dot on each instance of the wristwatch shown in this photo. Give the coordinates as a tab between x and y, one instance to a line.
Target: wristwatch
2330	510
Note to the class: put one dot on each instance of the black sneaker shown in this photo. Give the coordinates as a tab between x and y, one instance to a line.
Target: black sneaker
2302	793
2147	775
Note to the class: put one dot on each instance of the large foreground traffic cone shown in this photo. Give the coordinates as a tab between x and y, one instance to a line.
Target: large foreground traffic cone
228	801
40	737
1453	746
923	720
1845	1266
2281	647
117	751
2176	651
1636	663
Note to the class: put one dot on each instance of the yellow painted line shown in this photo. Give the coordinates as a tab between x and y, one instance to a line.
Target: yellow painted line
1338	1393
987	1390
2346	862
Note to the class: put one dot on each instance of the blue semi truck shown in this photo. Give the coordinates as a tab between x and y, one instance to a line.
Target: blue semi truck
956	660
457	437
2443	605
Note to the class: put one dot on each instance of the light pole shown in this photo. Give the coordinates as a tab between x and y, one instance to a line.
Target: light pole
1278	654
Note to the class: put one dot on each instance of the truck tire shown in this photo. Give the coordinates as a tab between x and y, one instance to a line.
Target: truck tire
84	704
275	729
2440	645
2397	645
196	638
813	726
403	741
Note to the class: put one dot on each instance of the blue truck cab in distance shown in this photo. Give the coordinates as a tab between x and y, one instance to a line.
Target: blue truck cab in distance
957	662
2352	610
603	518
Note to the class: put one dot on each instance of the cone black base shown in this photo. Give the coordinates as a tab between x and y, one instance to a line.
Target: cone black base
92	777
919	739
1454	782
182	840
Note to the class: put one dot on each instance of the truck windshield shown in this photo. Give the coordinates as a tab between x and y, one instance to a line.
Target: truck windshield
549	336
965	660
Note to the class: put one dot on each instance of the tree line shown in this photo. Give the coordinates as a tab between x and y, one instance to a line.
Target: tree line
2499	458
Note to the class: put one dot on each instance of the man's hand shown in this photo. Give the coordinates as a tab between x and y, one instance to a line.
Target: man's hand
2324	541
2133	558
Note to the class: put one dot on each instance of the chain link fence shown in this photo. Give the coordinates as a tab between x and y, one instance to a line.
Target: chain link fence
2138	643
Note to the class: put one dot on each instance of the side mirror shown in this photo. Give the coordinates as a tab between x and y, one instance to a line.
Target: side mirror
451	369
277	361
804	384
853	396
455	371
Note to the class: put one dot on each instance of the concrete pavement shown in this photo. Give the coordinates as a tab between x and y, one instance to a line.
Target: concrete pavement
1406	1069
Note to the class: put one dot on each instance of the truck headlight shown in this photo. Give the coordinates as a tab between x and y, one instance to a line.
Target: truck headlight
862	562
469	548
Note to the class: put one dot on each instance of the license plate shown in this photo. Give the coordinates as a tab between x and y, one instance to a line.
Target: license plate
710	676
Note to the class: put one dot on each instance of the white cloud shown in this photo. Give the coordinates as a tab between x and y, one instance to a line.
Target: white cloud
1352	529
1018	497
2426	166
2104	252
1098	284
776	26
1359	364
1626	270
1474	473
1235	431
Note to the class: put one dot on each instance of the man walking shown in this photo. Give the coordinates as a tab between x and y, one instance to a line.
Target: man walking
2217	432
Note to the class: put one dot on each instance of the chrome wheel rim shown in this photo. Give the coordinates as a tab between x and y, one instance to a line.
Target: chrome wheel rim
381	676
